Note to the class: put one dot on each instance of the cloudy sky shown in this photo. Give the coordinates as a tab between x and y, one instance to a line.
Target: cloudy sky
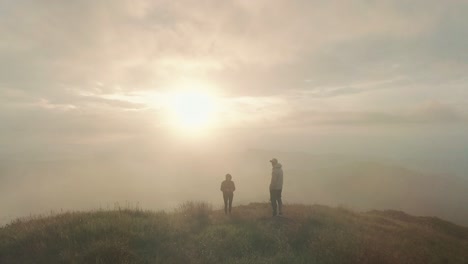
292	75
152	101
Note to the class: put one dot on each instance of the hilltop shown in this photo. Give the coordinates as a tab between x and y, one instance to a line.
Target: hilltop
195	233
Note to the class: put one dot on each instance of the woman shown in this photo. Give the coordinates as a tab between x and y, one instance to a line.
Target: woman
228	188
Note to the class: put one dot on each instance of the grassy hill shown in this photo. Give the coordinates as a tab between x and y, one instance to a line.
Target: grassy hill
197	234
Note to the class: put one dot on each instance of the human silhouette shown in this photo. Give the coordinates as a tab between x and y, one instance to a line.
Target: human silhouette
276	187
228	187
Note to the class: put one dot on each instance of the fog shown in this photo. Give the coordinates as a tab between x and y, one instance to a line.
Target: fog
420	178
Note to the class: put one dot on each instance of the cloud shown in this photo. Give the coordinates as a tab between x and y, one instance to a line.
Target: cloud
81	63
433	112
437	112
248	46
353	88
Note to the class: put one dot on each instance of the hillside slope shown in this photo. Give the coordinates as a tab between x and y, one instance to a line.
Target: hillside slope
197	234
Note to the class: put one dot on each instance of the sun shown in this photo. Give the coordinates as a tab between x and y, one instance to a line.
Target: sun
192	110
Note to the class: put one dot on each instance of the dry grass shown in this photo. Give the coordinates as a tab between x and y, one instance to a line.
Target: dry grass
195	233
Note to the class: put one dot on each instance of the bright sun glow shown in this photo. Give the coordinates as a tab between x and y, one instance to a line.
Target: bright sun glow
191	109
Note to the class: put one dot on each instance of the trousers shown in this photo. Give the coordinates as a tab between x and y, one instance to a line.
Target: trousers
227	196
276	202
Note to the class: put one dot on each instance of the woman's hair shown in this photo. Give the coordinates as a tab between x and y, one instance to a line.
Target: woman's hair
228	176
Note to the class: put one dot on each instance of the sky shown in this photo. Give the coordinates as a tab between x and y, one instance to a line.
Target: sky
92	71
370	78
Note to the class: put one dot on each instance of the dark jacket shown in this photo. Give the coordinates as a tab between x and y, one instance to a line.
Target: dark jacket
276	177
228	186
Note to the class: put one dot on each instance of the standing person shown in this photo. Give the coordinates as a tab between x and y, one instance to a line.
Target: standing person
276	187
228	187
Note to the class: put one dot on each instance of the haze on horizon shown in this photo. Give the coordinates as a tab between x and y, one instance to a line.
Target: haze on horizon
153	101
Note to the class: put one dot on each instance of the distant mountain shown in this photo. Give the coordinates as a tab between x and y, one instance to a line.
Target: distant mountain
364	185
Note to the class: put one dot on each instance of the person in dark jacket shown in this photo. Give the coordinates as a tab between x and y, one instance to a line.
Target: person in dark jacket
276	187
228	187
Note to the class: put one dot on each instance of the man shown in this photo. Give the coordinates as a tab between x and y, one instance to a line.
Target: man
276	186
228	187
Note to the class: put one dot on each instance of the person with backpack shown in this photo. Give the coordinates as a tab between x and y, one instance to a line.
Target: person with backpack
276	187
228	187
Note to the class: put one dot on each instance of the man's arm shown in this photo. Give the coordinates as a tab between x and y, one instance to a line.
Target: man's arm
273	180
280	178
